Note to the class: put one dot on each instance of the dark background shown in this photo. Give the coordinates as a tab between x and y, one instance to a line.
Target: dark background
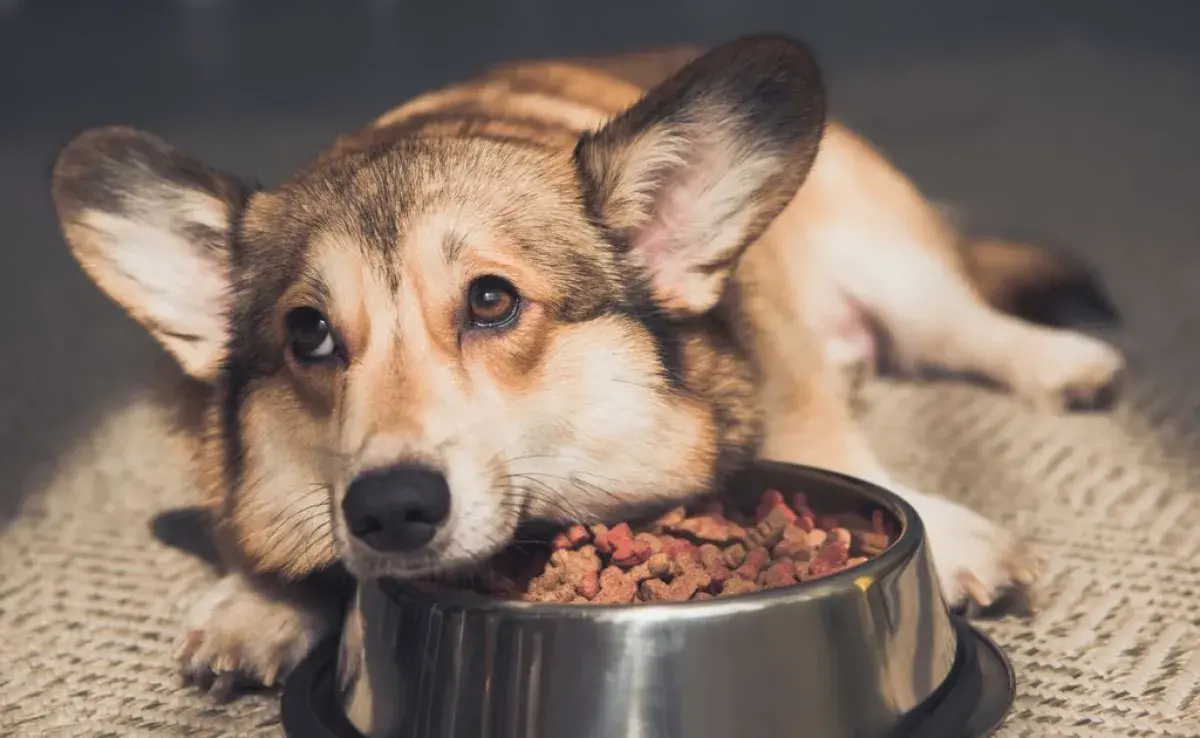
1069	117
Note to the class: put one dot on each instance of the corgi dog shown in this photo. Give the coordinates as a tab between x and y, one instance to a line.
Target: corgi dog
560	290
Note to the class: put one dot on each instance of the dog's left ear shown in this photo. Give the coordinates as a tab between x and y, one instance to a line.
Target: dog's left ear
692	174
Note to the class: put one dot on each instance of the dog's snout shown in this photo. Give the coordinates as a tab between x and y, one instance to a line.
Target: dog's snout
397	509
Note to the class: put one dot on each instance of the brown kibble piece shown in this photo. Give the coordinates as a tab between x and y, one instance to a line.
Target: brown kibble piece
869	543
600	538
678	590
830	559
589	585
615	587
756	560
770	529
648	540
841	535
660	566
672	517
735	555
711	529
737	586
771	501
709	556
782	574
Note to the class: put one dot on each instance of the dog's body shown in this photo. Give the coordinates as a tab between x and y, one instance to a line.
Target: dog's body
539	294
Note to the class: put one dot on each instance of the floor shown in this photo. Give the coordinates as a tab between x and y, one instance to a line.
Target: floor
1076	121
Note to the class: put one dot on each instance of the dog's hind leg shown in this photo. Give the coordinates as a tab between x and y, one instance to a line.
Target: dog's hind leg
892	254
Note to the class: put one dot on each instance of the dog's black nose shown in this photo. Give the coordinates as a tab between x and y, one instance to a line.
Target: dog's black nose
397	509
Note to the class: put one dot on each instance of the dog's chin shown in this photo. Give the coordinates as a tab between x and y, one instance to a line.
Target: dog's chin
439	559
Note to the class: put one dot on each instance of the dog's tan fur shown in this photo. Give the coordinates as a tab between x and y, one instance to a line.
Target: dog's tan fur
687	304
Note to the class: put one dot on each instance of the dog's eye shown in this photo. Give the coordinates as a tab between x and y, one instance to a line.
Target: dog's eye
311	338
492	302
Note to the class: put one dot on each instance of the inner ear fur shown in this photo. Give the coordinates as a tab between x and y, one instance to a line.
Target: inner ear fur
693	173
152	228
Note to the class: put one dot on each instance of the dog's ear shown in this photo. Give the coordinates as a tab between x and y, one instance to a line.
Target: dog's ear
152	228
694	172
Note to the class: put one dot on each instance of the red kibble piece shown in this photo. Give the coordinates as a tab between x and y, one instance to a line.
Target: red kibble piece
627	553
578	535
620	532
806	523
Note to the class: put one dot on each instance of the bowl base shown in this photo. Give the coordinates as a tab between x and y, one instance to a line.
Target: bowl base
972	702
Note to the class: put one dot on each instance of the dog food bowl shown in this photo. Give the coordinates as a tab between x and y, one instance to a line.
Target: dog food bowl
870	651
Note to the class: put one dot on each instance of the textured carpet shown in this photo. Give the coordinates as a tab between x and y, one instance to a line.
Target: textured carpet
1095	148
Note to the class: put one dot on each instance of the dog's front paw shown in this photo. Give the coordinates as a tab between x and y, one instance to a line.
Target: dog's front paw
239	634
1071	371
979	562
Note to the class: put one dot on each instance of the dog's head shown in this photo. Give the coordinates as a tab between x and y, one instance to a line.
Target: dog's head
419	346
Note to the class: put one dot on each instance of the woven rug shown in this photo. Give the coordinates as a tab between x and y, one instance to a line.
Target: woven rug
1096	150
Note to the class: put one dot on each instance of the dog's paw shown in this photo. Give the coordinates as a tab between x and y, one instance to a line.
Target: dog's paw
979	563
240	635
1071	371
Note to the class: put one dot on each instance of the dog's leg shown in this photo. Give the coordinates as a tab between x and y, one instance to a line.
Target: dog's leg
808	421
933	318
253	630
976	559
886	248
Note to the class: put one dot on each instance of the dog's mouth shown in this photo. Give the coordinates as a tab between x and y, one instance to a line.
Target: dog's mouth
451	554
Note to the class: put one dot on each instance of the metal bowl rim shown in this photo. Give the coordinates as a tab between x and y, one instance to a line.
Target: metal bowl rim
902	551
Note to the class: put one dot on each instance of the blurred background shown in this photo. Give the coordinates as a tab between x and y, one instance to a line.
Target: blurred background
1076	120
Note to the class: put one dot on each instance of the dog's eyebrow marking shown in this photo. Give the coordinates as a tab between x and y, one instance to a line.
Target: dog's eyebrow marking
453	245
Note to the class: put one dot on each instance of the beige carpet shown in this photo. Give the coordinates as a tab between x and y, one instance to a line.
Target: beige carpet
89	600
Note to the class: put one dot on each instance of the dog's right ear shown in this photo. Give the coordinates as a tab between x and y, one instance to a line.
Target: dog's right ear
152	227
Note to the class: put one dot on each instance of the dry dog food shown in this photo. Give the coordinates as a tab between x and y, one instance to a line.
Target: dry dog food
689	555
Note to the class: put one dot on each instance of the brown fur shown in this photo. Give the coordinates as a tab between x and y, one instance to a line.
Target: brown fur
649	209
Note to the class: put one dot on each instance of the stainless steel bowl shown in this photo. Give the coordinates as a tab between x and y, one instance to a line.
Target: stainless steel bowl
871	651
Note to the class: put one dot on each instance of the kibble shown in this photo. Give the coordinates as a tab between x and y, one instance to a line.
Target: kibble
698	554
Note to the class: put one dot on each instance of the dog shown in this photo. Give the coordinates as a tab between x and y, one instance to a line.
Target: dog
560	290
